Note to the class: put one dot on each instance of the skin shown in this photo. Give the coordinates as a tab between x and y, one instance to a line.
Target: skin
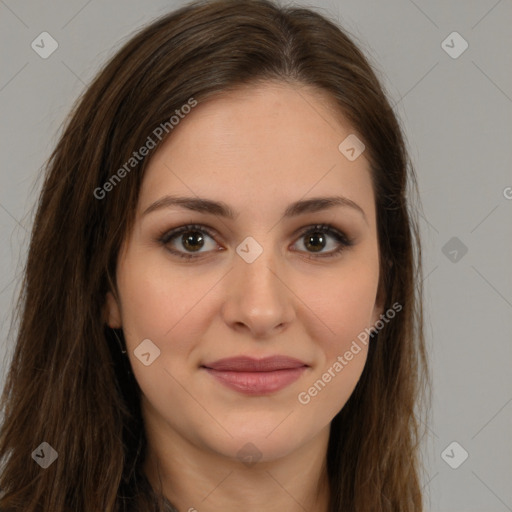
257	150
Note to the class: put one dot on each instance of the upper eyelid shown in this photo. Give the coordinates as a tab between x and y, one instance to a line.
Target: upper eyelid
174	232
211	232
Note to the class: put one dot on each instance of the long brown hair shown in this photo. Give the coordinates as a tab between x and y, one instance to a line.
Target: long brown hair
69	384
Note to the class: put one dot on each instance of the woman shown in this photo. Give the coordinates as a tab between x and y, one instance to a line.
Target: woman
219	307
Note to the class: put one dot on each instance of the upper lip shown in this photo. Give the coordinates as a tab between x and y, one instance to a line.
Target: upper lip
250	364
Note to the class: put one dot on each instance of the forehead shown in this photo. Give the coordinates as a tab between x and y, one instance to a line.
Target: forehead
259	146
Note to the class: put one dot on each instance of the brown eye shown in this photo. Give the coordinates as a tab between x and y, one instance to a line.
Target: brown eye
187	240
315	239
192	241
315	242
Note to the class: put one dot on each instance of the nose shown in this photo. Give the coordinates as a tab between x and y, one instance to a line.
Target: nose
258	299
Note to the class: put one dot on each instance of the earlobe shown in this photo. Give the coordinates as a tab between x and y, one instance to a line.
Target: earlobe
112	313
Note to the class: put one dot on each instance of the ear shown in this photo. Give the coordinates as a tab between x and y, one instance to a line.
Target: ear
378	309
112	312
380	300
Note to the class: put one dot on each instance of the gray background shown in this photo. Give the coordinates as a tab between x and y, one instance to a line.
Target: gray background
457	114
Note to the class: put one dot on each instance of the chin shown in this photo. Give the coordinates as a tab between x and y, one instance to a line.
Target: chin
255	445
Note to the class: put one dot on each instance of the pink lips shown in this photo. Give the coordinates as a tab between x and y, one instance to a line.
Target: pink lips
256	376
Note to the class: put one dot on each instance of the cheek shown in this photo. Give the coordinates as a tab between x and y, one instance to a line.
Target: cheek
352	308
167	307
344	310
343	304
156	301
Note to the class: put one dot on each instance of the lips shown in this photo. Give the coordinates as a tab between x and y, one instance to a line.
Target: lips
248	364
256	376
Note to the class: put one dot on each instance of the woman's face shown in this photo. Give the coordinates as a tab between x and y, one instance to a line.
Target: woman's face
260	281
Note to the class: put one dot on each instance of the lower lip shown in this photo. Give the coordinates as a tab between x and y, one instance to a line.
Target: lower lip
257	383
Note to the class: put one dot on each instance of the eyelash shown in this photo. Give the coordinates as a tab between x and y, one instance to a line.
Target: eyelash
167	236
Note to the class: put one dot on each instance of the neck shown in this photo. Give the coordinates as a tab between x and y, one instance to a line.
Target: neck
196	480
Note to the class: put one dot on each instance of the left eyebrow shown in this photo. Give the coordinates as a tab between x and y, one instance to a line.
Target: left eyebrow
321	203
221	209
